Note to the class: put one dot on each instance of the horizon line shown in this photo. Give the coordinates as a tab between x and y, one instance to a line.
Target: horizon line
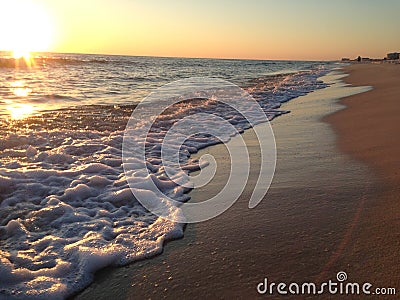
179	57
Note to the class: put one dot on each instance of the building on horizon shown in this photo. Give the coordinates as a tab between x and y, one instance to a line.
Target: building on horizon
393	56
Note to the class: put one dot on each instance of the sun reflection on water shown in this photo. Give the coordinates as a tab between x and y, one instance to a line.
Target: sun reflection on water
20	111
19	89
22	92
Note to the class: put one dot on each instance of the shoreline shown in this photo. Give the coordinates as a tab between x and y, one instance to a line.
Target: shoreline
292	235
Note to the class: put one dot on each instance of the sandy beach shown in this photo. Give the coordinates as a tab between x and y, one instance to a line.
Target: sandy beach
368	131
199	150
330	208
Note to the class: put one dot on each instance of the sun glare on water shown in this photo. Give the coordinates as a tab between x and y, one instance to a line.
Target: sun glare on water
17	110
29	28
21	111
20	89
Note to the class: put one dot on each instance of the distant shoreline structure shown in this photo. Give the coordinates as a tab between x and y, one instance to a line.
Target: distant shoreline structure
393	57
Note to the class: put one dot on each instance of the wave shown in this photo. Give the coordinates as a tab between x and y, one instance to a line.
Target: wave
42	61
66	207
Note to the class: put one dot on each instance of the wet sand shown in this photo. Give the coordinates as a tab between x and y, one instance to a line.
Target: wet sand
314	222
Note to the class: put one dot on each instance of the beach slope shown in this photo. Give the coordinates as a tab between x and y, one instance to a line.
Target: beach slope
368	130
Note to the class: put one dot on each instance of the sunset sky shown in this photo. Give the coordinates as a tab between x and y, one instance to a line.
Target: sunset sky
259	29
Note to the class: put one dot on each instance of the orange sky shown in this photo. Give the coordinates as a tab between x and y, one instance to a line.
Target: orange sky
262	29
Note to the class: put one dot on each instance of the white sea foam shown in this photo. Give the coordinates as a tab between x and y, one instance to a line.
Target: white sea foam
66	209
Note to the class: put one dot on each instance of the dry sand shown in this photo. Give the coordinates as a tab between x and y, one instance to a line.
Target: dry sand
369	131
318	218
370	128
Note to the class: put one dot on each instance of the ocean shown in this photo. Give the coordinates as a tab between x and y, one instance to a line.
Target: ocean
66	208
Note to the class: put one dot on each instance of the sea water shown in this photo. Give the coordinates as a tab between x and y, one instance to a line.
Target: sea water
66	209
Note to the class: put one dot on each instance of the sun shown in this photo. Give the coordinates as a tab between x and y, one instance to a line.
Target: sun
17	54
26	27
